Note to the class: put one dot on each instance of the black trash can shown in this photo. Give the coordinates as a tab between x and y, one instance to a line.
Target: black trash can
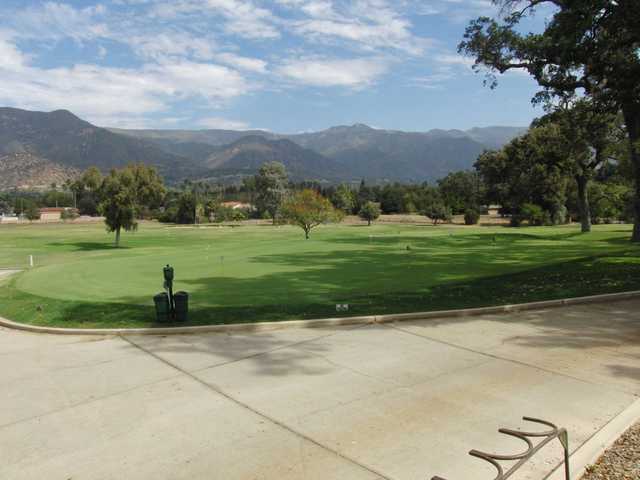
181	302
163	310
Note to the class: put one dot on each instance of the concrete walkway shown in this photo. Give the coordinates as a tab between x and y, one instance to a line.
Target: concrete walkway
404	401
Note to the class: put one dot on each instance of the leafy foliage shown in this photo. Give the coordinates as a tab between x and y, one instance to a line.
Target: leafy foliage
471	216
588	46
308	209
271	188
370	211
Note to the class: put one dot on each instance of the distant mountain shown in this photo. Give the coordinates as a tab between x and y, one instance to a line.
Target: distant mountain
64	139
392	155
359	151
63	143
246	155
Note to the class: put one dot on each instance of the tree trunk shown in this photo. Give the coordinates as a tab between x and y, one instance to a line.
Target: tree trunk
583	203
118	237
631	113
369	223
306	234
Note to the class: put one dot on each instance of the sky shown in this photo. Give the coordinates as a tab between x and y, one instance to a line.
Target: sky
282	65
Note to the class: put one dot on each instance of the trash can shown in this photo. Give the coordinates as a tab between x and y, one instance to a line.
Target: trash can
181	302
163	310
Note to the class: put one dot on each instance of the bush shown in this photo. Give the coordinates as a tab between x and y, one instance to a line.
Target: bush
169	215
471	216
88	206
69	214
32	212
438	212
228	214
534	214
560	216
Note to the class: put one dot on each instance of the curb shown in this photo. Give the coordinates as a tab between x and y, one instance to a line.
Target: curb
323	322
590	451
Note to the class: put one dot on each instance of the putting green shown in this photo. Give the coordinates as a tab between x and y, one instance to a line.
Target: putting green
250	273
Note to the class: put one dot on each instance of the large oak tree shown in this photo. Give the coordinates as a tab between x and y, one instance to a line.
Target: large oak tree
589	47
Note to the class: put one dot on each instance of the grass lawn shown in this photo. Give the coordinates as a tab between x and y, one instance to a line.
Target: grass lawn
255	273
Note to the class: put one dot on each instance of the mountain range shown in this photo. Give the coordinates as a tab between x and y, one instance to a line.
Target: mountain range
37	148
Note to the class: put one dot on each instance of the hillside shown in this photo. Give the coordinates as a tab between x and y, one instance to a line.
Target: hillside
357	151
27	171
62	144
246	155
66	140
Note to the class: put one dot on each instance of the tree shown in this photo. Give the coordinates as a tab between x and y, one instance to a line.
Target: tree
365	194
344	199
438	212
471	216
118	205
589	135
530	169
86	189
149	190
587	46
186	213
370	211
125	192
307	209
461	190
6	207
31	211
271	188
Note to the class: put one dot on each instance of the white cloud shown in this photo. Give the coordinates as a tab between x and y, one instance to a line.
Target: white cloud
242	18
353	73
11	57
54	20
367	24
168	44
97	92
222	123
454	59
434	81
242	63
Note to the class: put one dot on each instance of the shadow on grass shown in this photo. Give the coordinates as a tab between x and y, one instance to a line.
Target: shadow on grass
585	276
567	328
89	246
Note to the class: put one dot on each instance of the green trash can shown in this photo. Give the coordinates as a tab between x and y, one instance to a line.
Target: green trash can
181	302
163	310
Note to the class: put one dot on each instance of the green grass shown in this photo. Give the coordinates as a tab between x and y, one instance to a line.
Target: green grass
256	273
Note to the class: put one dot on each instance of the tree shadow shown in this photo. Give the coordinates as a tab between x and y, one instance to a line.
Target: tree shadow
324	279
89	246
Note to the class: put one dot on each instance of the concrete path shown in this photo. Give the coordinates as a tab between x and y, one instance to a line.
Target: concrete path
402	402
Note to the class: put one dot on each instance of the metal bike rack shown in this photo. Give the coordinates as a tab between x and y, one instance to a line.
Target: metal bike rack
547	436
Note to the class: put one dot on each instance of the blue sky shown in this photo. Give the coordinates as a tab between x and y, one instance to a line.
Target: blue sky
283	65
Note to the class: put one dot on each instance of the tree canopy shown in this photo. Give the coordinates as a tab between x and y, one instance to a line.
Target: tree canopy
271	188
307	209
588	47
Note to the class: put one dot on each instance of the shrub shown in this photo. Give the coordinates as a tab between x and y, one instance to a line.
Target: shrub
471	216
438	212
534	214
69	214
32	212
88	206
169	215
227	214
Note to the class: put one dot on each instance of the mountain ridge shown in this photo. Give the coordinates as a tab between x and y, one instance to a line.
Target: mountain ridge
343	153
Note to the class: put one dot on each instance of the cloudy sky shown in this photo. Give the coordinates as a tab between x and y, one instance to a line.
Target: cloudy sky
282	65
